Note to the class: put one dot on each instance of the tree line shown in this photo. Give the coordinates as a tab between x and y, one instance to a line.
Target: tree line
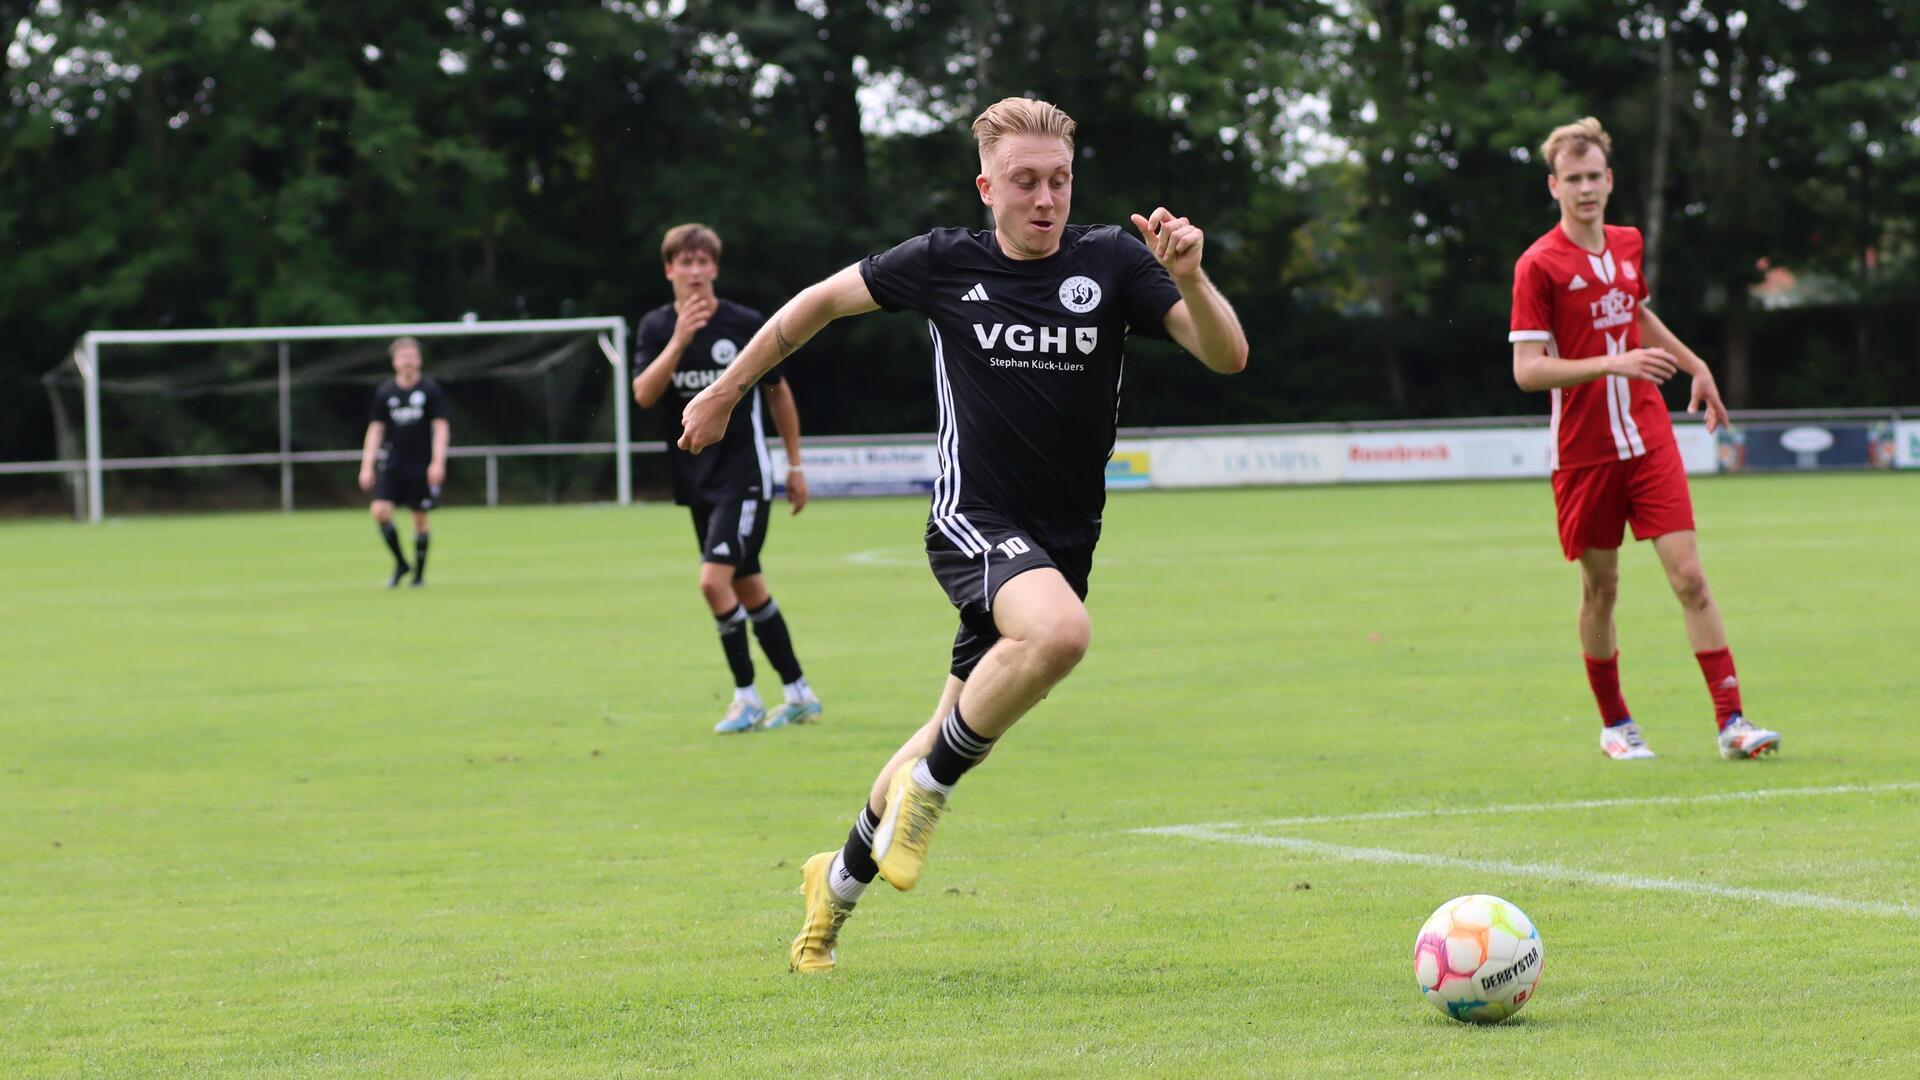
1365	171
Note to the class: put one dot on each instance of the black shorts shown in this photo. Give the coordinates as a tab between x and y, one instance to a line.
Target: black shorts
731	532
973	555
406	487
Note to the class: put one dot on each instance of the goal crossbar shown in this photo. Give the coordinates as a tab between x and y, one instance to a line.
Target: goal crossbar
612	339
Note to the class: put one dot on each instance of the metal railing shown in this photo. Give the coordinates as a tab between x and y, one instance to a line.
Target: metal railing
492	455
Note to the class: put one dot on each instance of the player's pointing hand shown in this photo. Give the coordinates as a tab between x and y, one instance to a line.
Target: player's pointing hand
1176	242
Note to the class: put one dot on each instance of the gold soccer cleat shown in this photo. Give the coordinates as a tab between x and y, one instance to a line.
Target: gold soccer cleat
900	843
812	950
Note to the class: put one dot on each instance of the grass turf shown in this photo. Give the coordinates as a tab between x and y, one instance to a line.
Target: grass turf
260	817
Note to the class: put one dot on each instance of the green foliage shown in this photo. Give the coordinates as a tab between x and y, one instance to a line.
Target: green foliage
224	162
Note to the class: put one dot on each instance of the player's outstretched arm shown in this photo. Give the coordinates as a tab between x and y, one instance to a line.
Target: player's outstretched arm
1534	370
704	421
1706	393
1201	321
370	451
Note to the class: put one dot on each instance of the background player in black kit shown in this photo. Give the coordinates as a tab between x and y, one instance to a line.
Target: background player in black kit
407	435
1027	322
684	346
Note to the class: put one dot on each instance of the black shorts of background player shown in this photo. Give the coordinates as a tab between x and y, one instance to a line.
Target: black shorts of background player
679	349
403	460
1028	321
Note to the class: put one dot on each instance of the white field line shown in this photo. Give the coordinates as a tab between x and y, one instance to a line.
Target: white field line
1778	898
1575	804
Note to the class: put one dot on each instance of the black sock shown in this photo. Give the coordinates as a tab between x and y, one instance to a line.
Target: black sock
957	749
857	856
771	628
733	641
420	555
392	537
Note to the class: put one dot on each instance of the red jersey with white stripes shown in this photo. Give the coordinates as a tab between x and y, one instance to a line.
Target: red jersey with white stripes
1585	305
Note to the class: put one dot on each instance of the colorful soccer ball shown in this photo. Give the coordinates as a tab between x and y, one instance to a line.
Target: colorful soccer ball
1478	958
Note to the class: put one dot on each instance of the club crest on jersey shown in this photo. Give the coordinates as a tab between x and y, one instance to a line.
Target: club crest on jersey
1085	338
724	351
411	412
1079	294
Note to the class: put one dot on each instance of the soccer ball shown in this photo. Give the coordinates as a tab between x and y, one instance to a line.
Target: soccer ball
1478	958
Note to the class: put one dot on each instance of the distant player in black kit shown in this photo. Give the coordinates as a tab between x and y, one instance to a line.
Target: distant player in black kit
1027	322
407	436
683	347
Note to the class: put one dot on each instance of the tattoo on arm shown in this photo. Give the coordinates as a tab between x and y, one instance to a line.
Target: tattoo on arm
780	339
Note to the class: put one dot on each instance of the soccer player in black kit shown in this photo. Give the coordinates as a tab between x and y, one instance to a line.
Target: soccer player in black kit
681	348
407	436
1027	322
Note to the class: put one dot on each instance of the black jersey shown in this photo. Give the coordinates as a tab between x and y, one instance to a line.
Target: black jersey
1027	366
738	465
407	415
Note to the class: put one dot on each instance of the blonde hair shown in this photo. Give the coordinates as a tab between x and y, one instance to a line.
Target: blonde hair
403	343
1020	116
1575	138
692	236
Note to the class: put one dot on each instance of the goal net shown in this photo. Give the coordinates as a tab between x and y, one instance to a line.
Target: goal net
275	416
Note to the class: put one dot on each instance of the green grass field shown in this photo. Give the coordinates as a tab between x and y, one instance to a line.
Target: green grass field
259	817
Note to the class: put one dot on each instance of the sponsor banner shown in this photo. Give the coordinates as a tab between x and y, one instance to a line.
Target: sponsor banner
1482	454
1779	447
1906	444
1699	451
863	470
1234	461
1267	460
1131	466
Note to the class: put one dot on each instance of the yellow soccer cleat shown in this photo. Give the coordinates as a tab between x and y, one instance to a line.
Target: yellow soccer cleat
900	843
812	950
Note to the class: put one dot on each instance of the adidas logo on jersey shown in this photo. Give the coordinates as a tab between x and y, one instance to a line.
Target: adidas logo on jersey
978	292
722	549
1576	284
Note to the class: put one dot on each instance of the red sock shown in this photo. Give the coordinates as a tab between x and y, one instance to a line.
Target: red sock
1722	683
1604	677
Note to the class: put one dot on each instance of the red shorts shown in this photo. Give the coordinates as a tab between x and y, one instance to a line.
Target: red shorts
1596	501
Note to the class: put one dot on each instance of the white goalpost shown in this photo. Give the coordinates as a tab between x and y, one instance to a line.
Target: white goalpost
609	333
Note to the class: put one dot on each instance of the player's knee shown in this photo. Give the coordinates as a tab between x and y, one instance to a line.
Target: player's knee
717	586
382	512
751	591
1600	588
1689	583
1060	641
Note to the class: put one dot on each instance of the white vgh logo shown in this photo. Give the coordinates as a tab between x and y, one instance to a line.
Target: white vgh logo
1079	294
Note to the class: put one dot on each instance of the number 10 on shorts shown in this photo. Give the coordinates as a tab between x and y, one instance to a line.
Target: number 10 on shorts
1013	546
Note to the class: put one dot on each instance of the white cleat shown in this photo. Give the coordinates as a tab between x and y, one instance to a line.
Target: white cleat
741	716
1622	742
1739	740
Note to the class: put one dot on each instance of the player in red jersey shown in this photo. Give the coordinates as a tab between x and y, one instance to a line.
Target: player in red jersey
1582	331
